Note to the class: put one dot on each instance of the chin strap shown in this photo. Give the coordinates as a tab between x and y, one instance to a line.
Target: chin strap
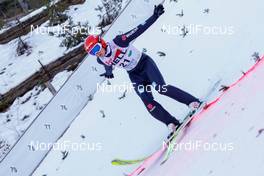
108	51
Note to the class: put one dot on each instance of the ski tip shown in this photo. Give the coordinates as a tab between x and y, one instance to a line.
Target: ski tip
116	162
120	162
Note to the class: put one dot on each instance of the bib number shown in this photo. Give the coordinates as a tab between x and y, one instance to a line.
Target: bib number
125	63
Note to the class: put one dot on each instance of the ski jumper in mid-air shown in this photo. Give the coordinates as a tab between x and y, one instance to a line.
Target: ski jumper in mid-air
142	70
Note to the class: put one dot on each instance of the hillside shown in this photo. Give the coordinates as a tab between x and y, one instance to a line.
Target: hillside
222	42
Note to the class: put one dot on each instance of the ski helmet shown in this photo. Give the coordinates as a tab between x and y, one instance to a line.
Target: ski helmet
92	40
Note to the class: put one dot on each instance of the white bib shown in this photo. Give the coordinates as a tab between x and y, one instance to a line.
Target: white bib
126	58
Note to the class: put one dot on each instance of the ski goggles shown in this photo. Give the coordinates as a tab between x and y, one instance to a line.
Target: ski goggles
96	48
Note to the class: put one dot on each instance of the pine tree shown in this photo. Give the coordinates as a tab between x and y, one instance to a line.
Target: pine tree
112	9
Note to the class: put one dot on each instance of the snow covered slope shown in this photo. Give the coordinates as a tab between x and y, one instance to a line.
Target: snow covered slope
122	128
15	69
61	110
226	138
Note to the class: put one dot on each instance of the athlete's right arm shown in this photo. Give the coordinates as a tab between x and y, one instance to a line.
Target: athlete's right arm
108	69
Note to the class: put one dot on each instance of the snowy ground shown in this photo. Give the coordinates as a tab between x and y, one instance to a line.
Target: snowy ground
115	127
226	139
14	69
192	63
24	110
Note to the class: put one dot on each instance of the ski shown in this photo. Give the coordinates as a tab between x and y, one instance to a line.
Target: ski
123	162
172	144
167	146
147	163
120	162
188	118
152	159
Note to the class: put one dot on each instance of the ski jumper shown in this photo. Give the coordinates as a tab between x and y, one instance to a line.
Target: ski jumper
143	72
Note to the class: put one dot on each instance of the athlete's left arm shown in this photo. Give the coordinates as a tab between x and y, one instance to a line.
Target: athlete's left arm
124	39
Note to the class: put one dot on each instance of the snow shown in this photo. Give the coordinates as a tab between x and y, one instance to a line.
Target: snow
46	48
14	69
66	109
27	65
234	123
24	110
34	13
192	63
24	18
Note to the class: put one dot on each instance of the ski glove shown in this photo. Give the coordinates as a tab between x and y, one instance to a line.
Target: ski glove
158	10
107	75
